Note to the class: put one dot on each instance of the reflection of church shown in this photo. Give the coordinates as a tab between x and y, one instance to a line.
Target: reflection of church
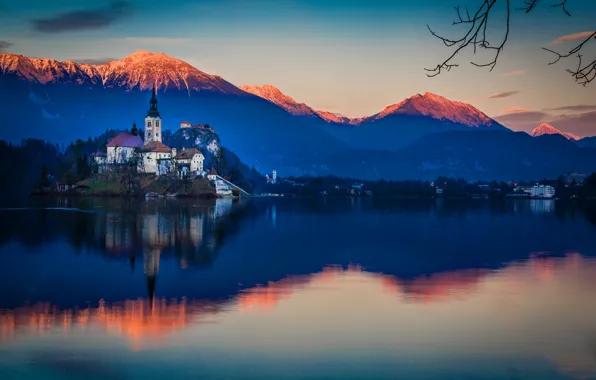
155	230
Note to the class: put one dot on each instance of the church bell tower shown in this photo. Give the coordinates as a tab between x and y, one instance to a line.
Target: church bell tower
153	121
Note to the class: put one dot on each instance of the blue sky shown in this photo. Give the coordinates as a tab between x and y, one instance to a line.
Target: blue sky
351	57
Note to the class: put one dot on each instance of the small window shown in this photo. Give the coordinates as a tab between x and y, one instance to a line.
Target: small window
149	134
157	134
148	124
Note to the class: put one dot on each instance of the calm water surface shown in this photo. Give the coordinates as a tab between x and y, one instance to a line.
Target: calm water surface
342	289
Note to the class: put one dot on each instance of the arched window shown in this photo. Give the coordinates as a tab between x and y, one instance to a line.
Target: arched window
148	124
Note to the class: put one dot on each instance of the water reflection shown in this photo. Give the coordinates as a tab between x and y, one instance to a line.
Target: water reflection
543	306
542	206
354	289
144	323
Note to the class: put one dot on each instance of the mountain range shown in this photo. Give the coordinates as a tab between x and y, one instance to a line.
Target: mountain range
62	101
395	126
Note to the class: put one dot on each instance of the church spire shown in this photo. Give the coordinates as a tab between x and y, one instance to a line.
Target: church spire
153	112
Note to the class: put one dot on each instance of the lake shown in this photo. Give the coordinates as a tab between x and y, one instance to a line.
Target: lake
297	289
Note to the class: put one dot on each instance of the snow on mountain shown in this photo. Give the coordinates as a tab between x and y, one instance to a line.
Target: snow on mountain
44	70
275	96
144	69
547	129
432	105
438	107
141	69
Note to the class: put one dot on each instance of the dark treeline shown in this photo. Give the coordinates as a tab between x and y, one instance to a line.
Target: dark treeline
34	163
448	187
228	165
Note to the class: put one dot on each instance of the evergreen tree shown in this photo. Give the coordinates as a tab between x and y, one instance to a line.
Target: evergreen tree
220	161
588	190
134	130
44	180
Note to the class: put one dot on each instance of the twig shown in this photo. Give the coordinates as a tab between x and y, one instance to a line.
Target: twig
530	4
564	6
583	74
476	36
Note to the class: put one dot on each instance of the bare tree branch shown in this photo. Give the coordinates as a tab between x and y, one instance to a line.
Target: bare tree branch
530	4
564	6
476	37
583	74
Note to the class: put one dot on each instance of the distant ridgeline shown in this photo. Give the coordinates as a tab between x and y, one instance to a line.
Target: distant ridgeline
422	137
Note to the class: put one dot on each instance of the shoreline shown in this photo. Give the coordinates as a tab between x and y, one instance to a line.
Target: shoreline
75	193
116	195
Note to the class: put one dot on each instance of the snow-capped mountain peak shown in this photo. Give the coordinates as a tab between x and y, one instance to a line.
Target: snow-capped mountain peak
427	104
142	69
547	129
438	107
145	69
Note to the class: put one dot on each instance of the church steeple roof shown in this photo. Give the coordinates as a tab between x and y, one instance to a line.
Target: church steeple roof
153	112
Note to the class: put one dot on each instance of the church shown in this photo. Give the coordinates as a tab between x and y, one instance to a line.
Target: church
152	155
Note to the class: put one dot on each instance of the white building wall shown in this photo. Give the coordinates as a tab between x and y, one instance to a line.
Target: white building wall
100	164
152	129
149	162
542	191
196	164
119	154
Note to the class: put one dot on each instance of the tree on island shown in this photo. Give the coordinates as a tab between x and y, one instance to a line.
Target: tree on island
44	177
83	167
588	189
220	161
134	130
475	38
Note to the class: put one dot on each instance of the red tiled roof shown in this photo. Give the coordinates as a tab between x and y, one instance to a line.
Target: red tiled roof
126	139
212	172
157	147
187	154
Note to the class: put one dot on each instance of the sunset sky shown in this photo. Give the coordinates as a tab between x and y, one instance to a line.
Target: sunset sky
352	57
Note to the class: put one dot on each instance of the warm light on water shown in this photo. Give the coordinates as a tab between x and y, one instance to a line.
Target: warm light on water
531	317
